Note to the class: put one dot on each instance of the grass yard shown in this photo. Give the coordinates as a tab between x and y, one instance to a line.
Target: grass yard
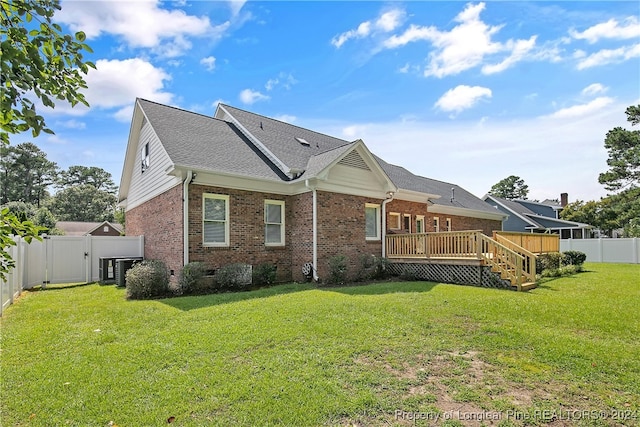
404	353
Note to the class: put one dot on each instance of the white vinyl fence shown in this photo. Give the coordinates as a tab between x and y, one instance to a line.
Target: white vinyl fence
63	259
605	250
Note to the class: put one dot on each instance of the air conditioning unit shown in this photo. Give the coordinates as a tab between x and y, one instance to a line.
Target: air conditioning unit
122	265
107	269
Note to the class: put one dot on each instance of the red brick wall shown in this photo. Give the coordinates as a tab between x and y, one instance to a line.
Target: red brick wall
341	231
246	231
160	221
458	223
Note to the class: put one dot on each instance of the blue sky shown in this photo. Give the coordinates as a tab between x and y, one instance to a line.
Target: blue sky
462	92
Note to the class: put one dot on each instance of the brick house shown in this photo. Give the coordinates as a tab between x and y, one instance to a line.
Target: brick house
244	188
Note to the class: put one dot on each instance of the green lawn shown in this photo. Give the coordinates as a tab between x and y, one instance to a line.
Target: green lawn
296	355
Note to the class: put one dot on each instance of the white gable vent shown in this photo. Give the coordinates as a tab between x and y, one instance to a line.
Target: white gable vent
302	141
354	160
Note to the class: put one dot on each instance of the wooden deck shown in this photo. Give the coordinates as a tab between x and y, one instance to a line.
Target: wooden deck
510	261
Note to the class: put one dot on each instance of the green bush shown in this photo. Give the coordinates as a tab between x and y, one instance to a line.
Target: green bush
147	279
264	274
234	277
574	258
549	261
192	278
337	270
372	267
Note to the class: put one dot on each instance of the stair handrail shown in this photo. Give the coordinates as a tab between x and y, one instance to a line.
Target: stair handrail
529	266
496	254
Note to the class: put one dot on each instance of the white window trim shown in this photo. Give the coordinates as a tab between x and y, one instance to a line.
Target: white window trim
378	227
145	155
281	224
420	220
436	224
226	220
394	224
403	219
448	222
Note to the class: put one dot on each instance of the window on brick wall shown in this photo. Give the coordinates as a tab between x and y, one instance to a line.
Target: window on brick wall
274	223
407	222
215	219
372	221
436	224
448	224
394	221
419	223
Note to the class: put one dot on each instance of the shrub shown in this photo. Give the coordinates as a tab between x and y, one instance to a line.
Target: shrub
372	267
574	258
264	274
234	277
147	279
337	269
191	278
549	261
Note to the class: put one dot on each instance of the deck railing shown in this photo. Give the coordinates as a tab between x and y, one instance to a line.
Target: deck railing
514	265
536	243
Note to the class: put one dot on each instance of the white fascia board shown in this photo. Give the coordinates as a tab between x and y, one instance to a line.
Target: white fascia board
414	196
451	210
131	151
237	182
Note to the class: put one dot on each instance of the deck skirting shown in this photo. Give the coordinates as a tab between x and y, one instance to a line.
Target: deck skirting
469	272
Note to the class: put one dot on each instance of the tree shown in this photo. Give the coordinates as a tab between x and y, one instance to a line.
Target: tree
37	59
624	155
26	174
600	214
83	203
77	175
512	187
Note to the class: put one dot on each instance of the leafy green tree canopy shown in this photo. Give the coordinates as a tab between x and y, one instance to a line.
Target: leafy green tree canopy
83	202
624	155
37	59
77	175
512	187
26	174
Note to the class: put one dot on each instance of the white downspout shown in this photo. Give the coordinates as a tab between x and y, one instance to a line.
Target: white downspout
315	229
185	217
389	198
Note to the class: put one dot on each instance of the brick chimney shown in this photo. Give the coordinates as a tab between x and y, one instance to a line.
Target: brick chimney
564	199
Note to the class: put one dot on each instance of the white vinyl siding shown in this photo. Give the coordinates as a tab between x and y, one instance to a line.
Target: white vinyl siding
274	223
215	220
372	221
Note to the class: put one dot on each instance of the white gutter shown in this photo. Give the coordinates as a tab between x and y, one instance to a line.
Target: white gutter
315	228
384	222
185	217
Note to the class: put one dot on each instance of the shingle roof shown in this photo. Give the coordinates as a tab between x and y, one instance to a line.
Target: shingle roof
205	143
533	218
409	181
280	138
81	228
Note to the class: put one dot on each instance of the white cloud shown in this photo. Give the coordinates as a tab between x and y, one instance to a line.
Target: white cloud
141	24
248	96
209	62
218	101
519	50
287	118
465	46
611	29
594	89
236	5
608	56
582	110
386	22
72	124
283	79
462	97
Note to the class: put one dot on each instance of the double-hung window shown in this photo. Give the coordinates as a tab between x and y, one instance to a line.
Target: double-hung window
274	223
215	219
372	221
436	224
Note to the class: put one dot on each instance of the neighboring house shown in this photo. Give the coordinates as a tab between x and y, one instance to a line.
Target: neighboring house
533	217
243	188
78	228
